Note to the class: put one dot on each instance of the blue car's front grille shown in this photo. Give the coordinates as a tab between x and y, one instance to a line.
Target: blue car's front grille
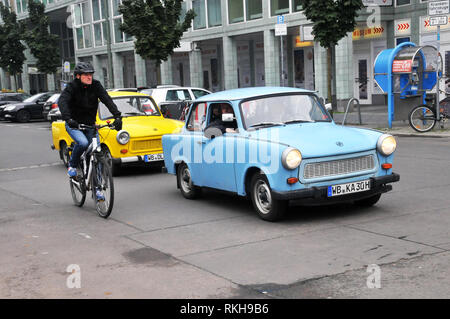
339	167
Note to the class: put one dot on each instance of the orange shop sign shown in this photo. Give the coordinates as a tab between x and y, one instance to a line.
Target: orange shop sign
368	33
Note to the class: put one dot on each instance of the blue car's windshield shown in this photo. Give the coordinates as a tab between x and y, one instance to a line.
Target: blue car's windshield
282	109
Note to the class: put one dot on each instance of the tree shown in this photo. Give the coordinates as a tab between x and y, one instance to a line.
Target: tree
156	26
332	20
11	49
43	45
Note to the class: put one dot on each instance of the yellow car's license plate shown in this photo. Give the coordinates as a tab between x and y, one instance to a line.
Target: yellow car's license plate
154	157
349	188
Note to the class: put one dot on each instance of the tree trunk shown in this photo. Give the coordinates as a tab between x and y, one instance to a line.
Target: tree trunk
329	98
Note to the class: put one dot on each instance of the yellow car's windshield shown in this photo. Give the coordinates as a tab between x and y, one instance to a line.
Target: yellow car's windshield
130	106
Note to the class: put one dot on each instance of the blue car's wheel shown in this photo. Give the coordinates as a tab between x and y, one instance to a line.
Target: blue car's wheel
187	188
265	205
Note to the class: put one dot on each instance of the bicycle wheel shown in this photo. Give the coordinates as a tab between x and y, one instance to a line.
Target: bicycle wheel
78	188
102	181
422	118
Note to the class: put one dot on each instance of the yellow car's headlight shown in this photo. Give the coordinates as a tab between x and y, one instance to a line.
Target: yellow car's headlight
386	144
291	158
123	137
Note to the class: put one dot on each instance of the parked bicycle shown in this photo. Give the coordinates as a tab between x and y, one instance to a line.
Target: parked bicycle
423	118
94	174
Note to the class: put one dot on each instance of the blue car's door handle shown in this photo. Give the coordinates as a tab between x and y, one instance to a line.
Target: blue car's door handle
201	142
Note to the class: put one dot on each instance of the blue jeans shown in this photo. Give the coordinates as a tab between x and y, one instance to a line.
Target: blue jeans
82	140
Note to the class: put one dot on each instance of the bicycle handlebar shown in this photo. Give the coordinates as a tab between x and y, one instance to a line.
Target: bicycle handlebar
95	126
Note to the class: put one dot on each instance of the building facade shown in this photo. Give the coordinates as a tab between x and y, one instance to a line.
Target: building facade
232	43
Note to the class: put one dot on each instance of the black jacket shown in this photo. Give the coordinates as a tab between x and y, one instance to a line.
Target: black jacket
80	102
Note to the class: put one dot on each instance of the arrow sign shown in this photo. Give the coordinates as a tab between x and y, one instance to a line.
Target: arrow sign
403	26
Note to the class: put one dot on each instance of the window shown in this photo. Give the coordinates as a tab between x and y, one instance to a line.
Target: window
214	13
96	10
82	19
18	6
197	118
98	34
235	11
206	11
401	40
177	95
296	5
200	18
402	2
254	9
119	36
199	93
183	11
278	7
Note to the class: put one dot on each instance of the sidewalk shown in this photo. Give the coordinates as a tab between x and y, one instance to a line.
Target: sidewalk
376	117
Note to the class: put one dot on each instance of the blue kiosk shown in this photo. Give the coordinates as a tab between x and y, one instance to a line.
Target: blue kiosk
405	73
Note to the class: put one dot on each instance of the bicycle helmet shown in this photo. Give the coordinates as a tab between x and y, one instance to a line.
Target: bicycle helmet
83	67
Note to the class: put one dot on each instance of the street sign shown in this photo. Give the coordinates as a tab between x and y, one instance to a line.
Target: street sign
280	19
280	29
306	33
438	20
438	7
368	3
67	67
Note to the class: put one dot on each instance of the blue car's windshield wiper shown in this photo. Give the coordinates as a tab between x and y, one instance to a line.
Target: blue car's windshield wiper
263	124
299	121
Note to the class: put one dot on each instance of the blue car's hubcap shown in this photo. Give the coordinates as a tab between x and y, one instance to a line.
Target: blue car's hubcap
186	180
263	198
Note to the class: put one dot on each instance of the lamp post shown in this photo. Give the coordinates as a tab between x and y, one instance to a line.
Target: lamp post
108	45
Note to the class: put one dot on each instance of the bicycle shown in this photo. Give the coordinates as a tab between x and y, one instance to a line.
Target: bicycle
423	118
94	174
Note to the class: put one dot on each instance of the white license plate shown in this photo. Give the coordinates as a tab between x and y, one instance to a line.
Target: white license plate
154	157
349	188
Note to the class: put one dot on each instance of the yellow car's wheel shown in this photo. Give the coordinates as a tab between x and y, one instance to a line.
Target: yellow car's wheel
115	168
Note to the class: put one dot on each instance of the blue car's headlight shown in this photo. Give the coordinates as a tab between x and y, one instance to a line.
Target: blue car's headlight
386	144
291	158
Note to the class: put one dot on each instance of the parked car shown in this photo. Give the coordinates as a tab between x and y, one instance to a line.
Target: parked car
28	109
7	98
50	105
139	141
172	99
280	144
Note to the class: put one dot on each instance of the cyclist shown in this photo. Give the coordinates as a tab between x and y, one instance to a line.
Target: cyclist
78	104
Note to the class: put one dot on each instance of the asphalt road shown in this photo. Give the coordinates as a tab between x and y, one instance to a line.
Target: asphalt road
156	244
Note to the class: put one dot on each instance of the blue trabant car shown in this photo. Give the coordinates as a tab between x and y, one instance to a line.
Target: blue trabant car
276	144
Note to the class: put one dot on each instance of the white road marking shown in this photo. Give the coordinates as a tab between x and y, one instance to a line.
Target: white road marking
29	167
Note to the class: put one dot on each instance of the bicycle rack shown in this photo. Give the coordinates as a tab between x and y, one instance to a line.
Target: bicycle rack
346	110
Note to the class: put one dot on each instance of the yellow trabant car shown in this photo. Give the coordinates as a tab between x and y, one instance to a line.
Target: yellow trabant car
140	137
